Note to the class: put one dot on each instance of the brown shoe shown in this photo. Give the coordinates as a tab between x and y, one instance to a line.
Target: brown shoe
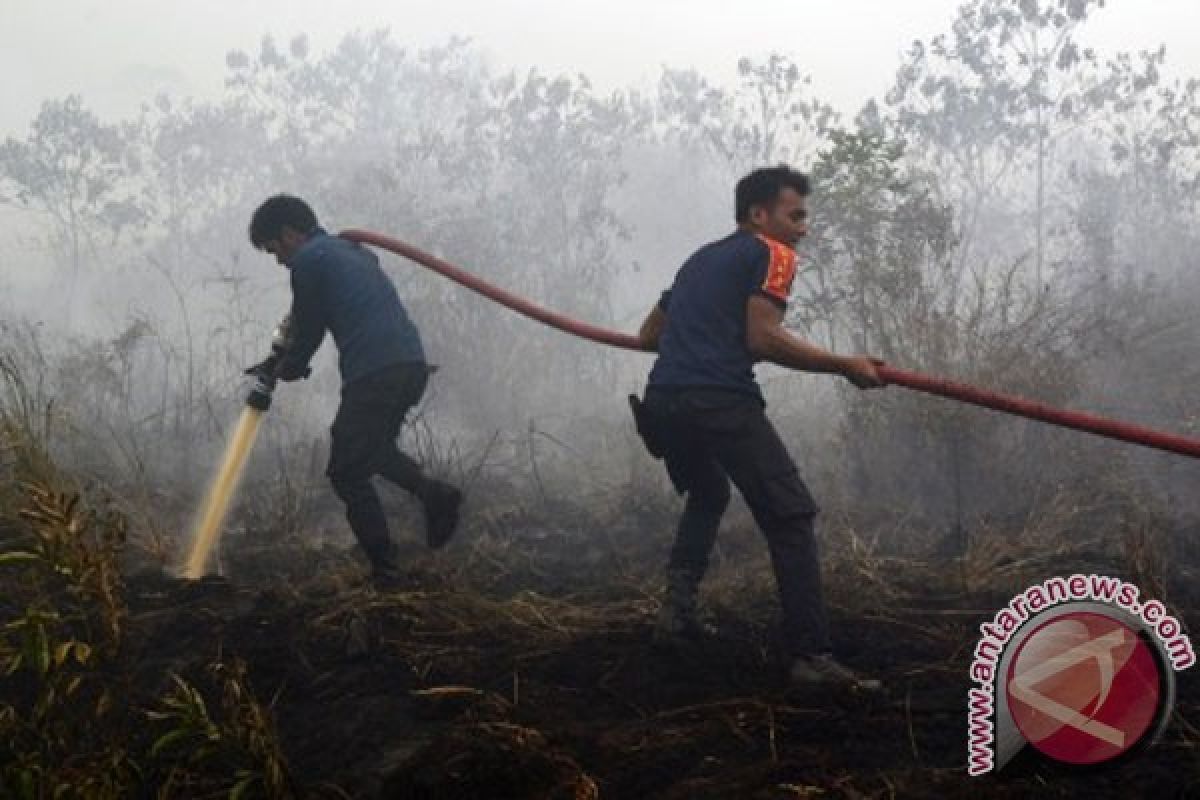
824	670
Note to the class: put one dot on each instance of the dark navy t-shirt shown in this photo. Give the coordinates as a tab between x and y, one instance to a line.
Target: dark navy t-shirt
338	286
704	341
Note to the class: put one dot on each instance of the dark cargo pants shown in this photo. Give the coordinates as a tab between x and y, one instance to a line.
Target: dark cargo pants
713	436
364	433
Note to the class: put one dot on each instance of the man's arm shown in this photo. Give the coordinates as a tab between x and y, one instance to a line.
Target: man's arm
307	326
768	340
652	329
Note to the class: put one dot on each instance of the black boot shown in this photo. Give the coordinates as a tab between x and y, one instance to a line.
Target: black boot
441	502
678	620
371	530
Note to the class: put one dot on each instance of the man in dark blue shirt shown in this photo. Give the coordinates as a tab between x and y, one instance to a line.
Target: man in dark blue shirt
338	286
723	313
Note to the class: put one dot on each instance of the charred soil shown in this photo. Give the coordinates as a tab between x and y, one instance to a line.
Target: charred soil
545	682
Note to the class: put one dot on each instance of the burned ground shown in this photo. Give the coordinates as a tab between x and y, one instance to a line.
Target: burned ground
520	661
524	667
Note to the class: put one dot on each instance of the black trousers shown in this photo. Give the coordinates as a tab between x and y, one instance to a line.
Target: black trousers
712	437
364	433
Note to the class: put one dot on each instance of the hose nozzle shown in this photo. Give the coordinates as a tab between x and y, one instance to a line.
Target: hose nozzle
259	396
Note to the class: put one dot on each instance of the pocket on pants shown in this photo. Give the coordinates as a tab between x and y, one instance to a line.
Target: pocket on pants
764	470
787	495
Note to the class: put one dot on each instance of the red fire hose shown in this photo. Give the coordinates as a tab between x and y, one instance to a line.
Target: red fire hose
1080	421
1010	404
501	296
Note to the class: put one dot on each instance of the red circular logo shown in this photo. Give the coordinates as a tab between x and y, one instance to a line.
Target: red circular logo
1084	688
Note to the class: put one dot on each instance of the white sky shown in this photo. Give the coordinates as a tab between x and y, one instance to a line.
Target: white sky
117	53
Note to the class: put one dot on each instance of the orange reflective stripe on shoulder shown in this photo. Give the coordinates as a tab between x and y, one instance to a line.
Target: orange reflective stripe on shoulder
781	269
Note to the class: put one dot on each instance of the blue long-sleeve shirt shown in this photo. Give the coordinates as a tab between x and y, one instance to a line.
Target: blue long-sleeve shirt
338	286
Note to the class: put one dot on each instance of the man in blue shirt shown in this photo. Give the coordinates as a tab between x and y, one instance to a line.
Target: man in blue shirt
703	412
338	286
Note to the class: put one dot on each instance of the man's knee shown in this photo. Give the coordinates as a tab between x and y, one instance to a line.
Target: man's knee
709	496
789	517
783	506
789	528
351	486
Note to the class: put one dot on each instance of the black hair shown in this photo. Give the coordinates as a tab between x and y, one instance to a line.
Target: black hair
762	187
279	212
